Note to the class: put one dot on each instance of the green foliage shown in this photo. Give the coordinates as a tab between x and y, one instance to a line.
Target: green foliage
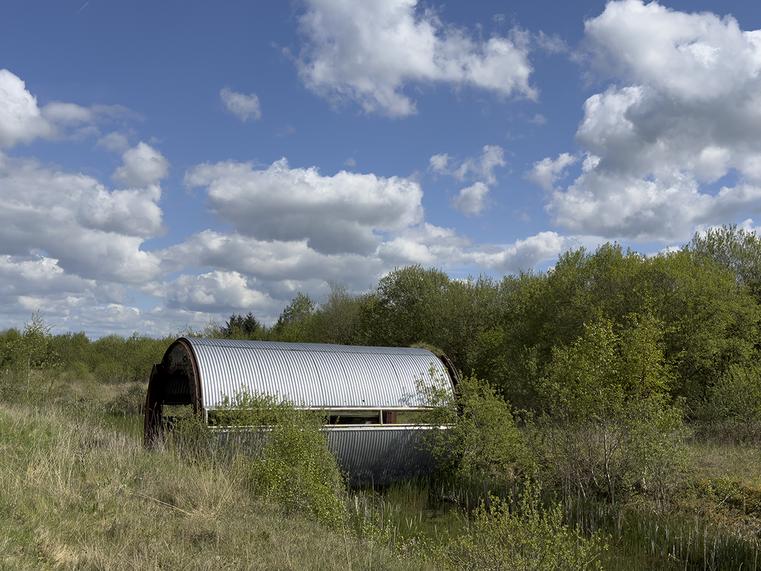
733	406
602	371
292	465
610	427
293	323
737	395
297	470
409	306
338	319
128	402
241	327
252	409
482	442
24	354
504	536
736	249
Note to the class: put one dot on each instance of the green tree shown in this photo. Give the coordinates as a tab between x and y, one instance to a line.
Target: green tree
338	319
407	308
733	406
734	248
611	428
240	326
482	443
294	321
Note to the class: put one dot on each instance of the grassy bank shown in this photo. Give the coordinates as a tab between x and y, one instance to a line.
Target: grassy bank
80	492
78	495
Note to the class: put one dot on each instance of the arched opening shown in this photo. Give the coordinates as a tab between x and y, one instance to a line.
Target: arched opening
173	391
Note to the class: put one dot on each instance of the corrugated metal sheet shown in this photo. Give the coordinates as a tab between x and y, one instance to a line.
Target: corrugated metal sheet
367	454
316	375
379	454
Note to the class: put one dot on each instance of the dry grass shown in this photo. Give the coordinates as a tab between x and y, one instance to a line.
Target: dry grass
80	496
741	462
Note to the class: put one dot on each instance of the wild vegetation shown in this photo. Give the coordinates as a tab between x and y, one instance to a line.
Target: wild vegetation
609	416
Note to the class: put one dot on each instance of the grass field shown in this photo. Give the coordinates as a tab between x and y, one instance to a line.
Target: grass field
78	491
77	494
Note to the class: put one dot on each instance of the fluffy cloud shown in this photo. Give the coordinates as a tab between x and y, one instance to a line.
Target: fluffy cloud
69	302
692	57
439	163
339	213
142	165
676	141
483	167
272	261
479	168
243	106
523	254
21	120
368	51
281	268
218	291
471	200
114	141
428	244
91	231
35	276
545	173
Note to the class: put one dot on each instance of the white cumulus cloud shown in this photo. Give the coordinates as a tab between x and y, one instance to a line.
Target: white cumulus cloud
471	200
21	120
142	165
545	173
369	51
339	213
91	231
675	141
217	291
243	106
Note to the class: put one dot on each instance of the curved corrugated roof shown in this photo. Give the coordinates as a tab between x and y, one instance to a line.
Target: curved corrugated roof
316	375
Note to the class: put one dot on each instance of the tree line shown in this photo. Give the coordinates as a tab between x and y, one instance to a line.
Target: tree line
681	324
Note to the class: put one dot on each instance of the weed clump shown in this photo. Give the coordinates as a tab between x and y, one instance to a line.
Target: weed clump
292	464
519	533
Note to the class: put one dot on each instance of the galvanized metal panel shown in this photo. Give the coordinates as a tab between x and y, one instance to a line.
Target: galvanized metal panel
375	455
379	454
316	375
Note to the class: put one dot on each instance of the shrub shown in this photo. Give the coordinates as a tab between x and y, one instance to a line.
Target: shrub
482	442
298	471
130	401
524	537
611	428
293	465
641	450
733	406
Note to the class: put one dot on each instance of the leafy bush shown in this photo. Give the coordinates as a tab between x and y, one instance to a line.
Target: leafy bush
733	406
507	537
292	465
22	355
611	428
298	471
130	401
482	442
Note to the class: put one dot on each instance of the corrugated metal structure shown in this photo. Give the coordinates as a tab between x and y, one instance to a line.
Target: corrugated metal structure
364	391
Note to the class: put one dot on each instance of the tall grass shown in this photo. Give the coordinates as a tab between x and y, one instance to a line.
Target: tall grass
643	537
78	491
79	496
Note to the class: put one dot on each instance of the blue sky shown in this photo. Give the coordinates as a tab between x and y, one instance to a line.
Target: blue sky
165	164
